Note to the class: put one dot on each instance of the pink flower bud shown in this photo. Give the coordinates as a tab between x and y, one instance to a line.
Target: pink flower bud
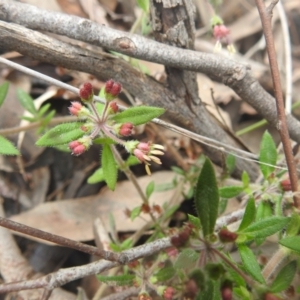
86	92
126	129
144	147
139	155
220	32
80	146
75	108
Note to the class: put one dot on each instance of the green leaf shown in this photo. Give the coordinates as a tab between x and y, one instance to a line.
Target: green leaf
267	155
144	5
132	161
266	227
46	119
150	189
135	212
99	107
96	177
138	115
165	274
177	170
194	221
230	163
43	110
26	101
285	277
294	225
212	290
230	191
186	259
3	92
104	140
245	179
207	198
249	214
114	247
109	166
250	263
63	148
170	211
119	280
7	148
61	134
126	244
264	210
291	242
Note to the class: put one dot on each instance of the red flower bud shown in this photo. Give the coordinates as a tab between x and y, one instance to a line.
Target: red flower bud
145	208
86	92
181	238
126	129
286	185
114	106
172	252
227	236
226	293
168	293
269	296
112	89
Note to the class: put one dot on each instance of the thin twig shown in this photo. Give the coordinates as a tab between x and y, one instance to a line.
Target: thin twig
64	276
288	57
265	15
111	256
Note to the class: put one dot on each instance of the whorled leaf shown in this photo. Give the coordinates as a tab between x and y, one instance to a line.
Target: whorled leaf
110	170
249	214
207	198
285	277
7	148
138	115
267	155
186	259
230	191
3	92
96	177
250	263
26	101
61	134
291	242
266	227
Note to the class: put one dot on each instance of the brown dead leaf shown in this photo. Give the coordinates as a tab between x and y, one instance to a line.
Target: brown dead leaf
95	12
73	218
72	7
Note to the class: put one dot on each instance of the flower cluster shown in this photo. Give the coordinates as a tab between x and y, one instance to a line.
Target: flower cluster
102	122
222	34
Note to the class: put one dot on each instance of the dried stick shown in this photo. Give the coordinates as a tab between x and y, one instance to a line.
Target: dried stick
63	276
266	15
231	73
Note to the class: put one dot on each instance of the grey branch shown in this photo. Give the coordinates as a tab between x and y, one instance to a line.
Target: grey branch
105	66
235	75
63	276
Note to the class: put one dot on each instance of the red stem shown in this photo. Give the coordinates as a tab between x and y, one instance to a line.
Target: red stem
266	16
